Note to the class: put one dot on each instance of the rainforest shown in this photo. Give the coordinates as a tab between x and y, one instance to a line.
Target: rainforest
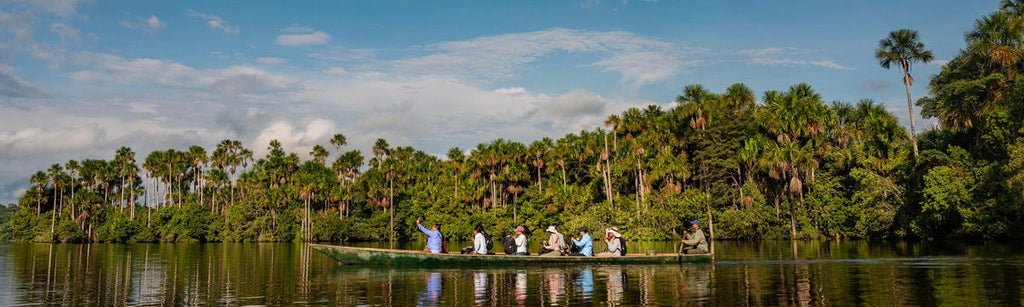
779	164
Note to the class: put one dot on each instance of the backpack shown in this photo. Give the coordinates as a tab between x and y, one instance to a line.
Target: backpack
573	248
622	245
488	241
510	245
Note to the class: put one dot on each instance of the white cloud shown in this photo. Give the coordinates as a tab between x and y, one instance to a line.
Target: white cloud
511	91
231	80
150	26
215	22
501	57
575	103
137	107
640	68
788	56
62	8
337	71
939	63
271	61
295	138
830	64
302	36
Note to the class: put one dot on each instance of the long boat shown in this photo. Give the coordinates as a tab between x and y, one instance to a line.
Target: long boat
391	257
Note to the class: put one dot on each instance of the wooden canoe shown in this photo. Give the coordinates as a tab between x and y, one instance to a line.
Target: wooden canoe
390	257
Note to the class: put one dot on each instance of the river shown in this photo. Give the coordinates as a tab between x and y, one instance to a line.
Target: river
768	273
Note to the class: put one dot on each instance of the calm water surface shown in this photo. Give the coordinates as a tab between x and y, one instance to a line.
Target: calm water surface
744	274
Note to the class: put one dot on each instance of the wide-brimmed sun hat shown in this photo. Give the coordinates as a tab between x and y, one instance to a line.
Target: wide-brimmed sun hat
695	222
551	229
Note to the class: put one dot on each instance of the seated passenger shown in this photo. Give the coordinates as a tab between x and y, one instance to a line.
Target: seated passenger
585	243
695	243
613	239
521	241
555	245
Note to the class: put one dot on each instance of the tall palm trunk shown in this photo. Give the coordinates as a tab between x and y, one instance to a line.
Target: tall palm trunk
910	106
391	204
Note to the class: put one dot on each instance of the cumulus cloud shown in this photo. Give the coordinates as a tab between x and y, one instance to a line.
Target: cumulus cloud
150	26
575	103
215	22
296	137
302	36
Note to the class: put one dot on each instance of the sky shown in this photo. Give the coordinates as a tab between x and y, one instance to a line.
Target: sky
79	79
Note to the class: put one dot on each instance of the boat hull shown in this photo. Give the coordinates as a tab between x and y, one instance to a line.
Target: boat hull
388	257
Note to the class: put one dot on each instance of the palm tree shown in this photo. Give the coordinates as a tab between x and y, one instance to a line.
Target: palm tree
39	180
614	122
72	167
998	38
338	140
319	154
455	160
381	149
197	155
903	48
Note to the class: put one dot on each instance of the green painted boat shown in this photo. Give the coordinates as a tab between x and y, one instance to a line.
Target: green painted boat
390	257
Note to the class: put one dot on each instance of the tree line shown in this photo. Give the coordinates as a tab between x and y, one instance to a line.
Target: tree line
782	164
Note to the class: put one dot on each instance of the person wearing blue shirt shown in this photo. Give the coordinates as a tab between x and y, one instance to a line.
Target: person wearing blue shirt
434	238
585	243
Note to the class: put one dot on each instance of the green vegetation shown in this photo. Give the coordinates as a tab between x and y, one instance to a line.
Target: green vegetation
791	166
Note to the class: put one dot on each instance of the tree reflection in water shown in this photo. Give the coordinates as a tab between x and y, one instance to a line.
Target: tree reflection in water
758	274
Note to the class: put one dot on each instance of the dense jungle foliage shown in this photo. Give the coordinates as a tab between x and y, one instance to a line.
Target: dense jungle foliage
787	165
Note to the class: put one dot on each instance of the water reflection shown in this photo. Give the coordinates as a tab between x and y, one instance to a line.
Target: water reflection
759	274
585	283
431	295
616	278
554	282
480	287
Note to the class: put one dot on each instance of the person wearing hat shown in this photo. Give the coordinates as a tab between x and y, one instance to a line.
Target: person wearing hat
555	243
521	241
585	243
612	240
695	243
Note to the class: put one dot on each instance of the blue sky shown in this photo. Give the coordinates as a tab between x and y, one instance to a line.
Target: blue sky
78	79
